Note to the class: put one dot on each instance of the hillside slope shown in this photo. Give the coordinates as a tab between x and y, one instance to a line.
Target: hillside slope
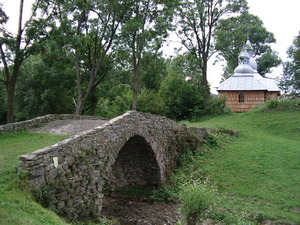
259	171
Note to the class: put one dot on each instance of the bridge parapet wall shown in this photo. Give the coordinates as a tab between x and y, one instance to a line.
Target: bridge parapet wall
70	175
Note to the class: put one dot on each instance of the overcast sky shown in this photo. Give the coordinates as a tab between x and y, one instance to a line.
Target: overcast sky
279	17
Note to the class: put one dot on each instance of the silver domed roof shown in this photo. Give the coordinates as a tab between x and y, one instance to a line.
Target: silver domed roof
253	63
244	57
246	77
243	69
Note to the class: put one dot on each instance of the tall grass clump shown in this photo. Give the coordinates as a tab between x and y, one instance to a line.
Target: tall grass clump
197	198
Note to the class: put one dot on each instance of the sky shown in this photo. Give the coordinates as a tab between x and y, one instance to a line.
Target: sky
282	18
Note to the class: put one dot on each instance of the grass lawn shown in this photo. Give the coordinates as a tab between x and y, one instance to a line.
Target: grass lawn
17	206
258	172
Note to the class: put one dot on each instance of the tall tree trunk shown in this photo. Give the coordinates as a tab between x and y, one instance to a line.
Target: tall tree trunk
93	102
93	108
79	106
80	100
10	88
204	80
137	74
10	84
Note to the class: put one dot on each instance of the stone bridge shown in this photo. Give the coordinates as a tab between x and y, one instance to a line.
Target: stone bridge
135	149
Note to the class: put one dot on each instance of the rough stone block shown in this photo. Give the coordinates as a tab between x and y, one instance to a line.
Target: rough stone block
37	172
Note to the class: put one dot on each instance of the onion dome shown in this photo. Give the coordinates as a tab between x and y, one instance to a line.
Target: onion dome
244	57
244	66
253	63
243	69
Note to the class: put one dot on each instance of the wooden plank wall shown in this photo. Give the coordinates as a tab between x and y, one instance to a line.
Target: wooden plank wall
251	99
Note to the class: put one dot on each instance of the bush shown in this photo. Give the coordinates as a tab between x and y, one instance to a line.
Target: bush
112	108
196	200
182	98
216	106
279	105
272	104
150	101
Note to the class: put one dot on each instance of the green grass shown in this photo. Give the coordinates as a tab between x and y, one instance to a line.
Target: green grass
257	173
17	205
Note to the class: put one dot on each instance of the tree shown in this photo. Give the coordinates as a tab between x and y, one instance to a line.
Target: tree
231	35
290	81
197	20
88	29
14	49
153	70
145	30
185	65
182	98
2	104
46	84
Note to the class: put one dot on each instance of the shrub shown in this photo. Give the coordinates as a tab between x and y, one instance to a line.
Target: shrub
216	106
150	101
182	98
272	104
118	105
196	200
279	105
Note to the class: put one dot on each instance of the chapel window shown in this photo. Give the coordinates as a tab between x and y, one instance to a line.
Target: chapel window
241	97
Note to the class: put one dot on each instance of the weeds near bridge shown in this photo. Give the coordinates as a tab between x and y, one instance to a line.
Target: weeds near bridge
197	198
42	196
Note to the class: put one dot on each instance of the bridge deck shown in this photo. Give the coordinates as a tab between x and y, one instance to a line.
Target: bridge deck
68	126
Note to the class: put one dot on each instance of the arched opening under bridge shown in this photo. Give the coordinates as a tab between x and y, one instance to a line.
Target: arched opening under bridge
136	166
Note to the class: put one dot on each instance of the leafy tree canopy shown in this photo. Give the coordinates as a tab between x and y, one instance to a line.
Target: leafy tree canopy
290	81
231	35
197	21
17	47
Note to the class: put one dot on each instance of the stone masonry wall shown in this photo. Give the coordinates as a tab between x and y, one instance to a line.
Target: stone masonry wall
70	175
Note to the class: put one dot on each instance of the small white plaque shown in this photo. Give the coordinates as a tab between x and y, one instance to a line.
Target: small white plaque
55	161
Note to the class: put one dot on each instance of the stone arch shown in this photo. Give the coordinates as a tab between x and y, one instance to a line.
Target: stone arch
77	169
136	165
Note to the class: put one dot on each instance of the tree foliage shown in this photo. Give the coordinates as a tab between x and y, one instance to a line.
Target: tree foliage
290	81
47	84
231	35
101	53
153	70
15	48
185	65
144	31
197	21
88	29
182	98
